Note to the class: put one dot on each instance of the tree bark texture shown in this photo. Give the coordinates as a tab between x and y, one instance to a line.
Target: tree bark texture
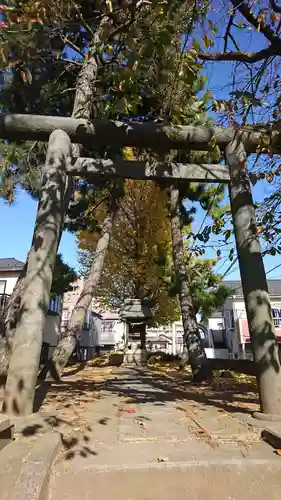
146	135
27	342
67	344
255	289
192	339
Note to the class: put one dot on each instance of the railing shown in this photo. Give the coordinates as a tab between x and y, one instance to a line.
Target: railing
277	322
80	353
4	298
54	304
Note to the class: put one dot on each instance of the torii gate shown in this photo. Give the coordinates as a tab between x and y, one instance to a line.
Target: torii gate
60	131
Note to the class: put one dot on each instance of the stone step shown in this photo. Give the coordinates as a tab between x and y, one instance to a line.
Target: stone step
196	480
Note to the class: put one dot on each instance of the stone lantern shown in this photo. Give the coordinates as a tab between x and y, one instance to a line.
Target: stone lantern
136	314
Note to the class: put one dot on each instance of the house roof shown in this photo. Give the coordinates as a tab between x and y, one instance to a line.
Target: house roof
274	287
11	264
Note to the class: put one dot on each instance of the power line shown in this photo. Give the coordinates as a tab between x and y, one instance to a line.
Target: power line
273	269
267	272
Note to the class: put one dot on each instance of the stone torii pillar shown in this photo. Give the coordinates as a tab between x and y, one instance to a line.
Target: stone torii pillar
255	289
27	343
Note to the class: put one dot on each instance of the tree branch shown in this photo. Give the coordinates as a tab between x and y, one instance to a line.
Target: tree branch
248	57
227	32
69	61
256	21
274	6
68	42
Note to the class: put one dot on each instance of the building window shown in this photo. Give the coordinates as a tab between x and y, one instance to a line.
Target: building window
65	315
276	313
86	325
55	305
231	318
107	326
3	284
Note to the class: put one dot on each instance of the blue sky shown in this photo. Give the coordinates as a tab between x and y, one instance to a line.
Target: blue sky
17	220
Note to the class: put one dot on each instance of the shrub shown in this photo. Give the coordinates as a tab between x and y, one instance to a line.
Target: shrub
116	359
161	357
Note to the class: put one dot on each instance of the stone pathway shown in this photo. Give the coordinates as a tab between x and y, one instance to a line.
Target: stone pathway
142	440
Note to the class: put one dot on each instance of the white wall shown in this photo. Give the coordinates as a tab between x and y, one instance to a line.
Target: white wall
216	323
52	326
119	332
10	282
51	332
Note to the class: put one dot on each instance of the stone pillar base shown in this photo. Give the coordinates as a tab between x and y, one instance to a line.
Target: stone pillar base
134	355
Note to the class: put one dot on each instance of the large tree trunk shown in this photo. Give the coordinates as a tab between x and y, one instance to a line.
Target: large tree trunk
67	344
27	342
82	108
192	339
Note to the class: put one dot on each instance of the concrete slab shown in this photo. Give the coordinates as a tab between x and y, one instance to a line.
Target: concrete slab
25	467
133	455
141	445
196	481
151	424
11	460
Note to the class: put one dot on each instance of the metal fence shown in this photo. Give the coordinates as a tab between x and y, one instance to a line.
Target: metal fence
4	298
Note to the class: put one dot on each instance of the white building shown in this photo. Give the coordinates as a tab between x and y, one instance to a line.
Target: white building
102	330
226	334
229	327
10	270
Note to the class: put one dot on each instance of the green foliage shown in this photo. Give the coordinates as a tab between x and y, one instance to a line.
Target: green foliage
208	293
139	56
20	166
64	277
254	100
146	67
206	288
115	359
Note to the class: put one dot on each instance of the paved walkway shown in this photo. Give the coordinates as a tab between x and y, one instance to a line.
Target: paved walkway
144	441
